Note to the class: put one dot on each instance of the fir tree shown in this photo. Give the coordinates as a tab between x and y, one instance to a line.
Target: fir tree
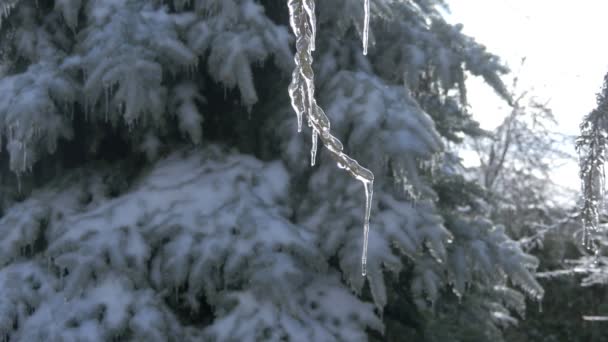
154	186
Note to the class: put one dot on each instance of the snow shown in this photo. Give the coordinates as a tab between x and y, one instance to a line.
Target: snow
114	298
98	254
185	96
31	113
211	232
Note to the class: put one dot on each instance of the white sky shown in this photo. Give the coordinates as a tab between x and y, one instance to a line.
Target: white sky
566	52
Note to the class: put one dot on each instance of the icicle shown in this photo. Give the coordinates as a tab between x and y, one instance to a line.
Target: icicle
313	149
366	27
369	191
595	318
299	122
302	93
309	7
296	97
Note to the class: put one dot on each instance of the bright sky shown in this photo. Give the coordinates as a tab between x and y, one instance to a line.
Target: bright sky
566	56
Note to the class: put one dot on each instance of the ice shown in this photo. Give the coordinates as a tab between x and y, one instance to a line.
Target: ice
366	27
309	7
595	318
302	93
313	149
369	191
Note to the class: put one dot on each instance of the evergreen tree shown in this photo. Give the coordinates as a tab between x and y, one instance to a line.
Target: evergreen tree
154	186
515	162
514	169
588	266
591	145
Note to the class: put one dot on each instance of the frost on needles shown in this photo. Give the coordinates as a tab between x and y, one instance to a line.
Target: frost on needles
302	92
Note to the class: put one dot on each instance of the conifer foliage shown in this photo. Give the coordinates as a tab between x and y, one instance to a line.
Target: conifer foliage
153	186
591	145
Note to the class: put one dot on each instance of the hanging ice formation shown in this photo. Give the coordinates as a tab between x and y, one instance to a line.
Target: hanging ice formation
366	27
5	8
302	93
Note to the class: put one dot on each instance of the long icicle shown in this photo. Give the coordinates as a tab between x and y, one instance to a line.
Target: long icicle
366	27
313	149
301	90
369	192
